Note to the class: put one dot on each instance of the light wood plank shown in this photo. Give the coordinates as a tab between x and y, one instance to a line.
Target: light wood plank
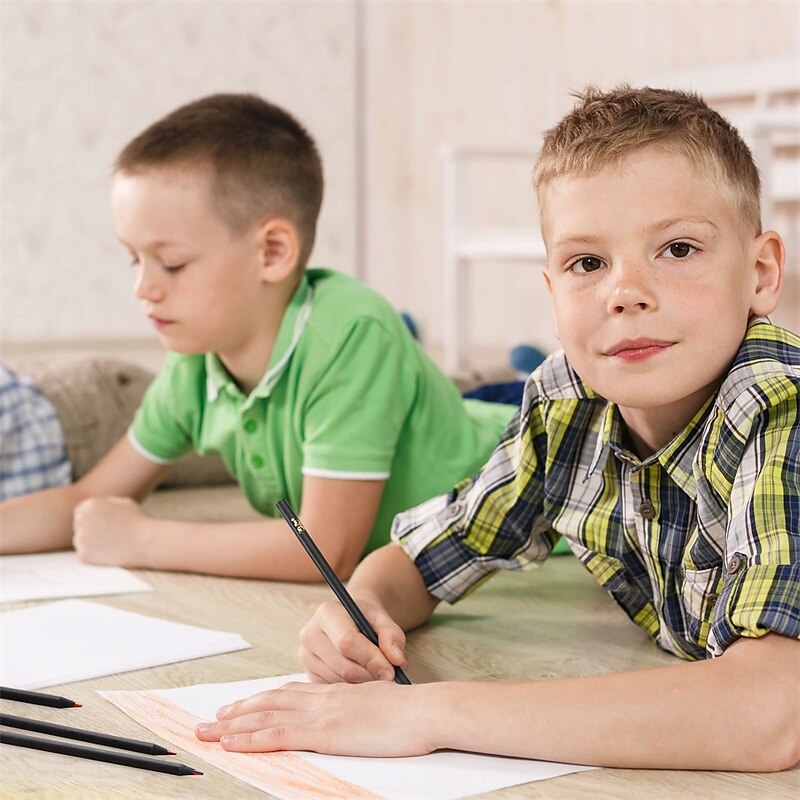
552	623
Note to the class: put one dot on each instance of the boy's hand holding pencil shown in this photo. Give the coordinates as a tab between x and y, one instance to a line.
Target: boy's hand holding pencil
351	657
341	634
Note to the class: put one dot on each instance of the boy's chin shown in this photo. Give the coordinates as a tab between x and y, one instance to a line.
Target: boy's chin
183	348
653	395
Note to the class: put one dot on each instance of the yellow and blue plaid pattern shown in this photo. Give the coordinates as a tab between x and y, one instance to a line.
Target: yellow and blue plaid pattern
698	543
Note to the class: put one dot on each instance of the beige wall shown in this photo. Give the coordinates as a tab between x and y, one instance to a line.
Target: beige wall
495	74
79	79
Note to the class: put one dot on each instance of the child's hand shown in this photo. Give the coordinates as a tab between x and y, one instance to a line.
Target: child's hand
108	530
332	649
376	719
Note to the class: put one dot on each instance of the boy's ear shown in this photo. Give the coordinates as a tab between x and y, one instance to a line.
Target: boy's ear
768	256
279	244
549	285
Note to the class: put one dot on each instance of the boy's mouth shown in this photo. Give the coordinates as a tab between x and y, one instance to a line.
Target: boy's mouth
159	323
637	349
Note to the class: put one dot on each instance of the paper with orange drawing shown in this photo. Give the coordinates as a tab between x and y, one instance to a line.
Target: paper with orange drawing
174	713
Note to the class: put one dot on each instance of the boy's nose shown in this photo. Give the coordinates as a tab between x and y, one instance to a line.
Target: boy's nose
147	285
631	290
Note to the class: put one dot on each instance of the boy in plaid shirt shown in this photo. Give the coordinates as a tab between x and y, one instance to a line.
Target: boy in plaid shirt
663	443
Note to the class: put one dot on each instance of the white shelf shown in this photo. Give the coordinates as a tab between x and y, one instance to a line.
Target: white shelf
499	244
466	245
762	99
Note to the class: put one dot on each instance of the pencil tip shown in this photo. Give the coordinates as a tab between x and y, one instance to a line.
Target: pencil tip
196	772
168	753
78	705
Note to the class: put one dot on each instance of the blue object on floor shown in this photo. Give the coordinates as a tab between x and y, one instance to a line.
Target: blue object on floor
504	392
524	358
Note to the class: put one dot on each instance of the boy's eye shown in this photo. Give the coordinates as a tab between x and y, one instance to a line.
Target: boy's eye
173	267
586	264
679	250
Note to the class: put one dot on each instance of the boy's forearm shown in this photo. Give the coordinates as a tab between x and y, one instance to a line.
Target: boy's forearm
264	549
38	522
390	576
738	712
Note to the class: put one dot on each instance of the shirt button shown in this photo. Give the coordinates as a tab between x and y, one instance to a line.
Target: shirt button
250	426
647	510
735	564
257	462
454	510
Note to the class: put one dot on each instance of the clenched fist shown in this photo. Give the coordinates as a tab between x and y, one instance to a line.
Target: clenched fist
110	531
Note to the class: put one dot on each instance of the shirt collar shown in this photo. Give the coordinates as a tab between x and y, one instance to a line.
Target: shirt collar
676	457
610	438
293	323
603	437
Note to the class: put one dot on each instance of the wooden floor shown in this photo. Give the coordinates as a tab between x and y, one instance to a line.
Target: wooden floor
554	622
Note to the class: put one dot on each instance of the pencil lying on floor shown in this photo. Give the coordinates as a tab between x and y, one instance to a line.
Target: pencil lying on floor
333	581
95	737
37	698
96	754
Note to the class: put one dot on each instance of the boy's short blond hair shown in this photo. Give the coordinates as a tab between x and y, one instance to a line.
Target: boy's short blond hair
605	127
262	160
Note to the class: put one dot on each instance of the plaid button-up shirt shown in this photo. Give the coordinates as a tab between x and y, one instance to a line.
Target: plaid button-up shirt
33	454
699	543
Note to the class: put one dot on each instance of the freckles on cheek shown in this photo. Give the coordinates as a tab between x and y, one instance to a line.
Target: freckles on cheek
573	311
695	296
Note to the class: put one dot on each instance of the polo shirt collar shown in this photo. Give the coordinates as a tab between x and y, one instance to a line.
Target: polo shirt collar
291	329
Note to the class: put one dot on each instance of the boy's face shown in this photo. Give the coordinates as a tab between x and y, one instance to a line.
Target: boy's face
198	281
652	282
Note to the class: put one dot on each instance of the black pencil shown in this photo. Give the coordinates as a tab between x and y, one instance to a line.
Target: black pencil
38	698
96	754
95	737
333	581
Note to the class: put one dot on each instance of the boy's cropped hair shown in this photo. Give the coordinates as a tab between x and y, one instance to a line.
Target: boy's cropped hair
263	161
605	127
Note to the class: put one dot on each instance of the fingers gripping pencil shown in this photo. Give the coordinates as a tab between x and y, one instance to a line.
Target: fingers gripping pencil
333	581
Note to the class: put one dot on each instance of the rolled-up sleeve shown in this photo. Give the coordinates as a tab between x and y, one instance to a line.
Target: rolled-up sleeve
761	584
489	522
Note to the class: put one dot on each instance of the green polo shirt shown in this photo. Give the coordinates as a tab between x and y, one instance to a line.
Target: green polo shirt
348	394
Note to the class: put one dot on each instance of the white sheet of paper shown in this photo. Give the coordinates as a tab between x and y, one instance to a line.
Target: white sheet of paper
46	576
438	776
72	640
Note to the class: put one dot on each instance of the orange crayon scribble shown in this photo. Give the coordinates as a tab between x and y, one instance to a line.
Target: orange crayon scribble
285	774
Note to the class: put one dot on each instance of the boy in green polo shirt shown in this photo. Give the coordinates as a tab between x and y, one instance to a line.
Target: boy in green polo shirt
307	383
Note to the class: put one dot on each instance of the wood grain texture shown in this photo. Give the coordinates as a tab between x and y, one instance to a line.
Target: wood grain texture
554	622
